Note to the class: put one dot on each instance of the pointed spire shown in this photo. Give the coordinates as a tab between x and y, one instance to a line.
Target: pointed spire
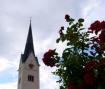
29	45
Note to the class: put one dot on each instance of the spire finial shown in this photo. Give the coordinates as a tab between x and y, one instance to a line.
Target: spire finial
30	23
30	19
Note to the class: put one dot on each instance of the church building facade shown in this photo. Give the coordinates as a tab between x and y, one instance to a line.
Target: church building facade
28	76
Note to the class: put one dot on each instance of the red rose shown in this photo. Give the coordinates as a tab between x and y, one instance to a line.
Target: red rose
103	25
61	33
89	78
89	66
103	49
50	51
72	36
102	61
95	39
73	86
96	26
48	58
92	46
102	37
67	16
91	53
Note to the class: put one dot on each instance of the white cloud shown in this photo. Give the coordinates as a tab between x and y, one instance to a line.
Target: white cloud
44	45
4	63
89	8
47	79
8	63
12	85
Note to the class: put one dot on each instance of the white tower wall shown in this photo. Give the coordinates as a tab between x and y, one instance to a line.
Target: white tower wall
25	71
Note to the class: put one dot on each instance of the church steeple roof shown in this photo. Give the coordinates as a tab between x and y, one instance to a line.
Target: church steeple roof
29	45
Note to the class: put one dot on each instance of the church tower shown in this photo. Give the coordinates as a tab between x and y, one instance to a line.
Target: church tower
28	77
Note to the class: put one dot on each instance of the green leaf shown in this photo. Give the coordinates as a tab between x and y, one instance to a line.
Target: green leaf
81	29
89	32
80	24
68	43
59	80
71	19
57	41
61	87
81	20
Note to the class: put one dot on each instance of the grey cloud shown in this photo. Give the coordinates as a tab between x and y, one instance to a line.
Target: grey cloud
47	17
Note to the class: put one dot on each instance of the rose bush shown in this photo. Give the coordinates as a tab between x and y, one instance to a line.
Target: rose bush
82	64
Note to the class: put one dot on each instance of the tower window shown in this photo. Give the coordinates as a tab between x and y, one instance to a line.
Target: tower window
30	78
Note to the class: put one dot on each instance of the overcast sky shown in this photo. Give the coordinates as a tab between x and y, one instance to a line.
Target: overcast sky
47	18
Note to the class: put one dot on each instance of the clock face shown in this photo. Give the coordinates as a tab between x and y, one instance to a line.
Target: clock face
31	66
